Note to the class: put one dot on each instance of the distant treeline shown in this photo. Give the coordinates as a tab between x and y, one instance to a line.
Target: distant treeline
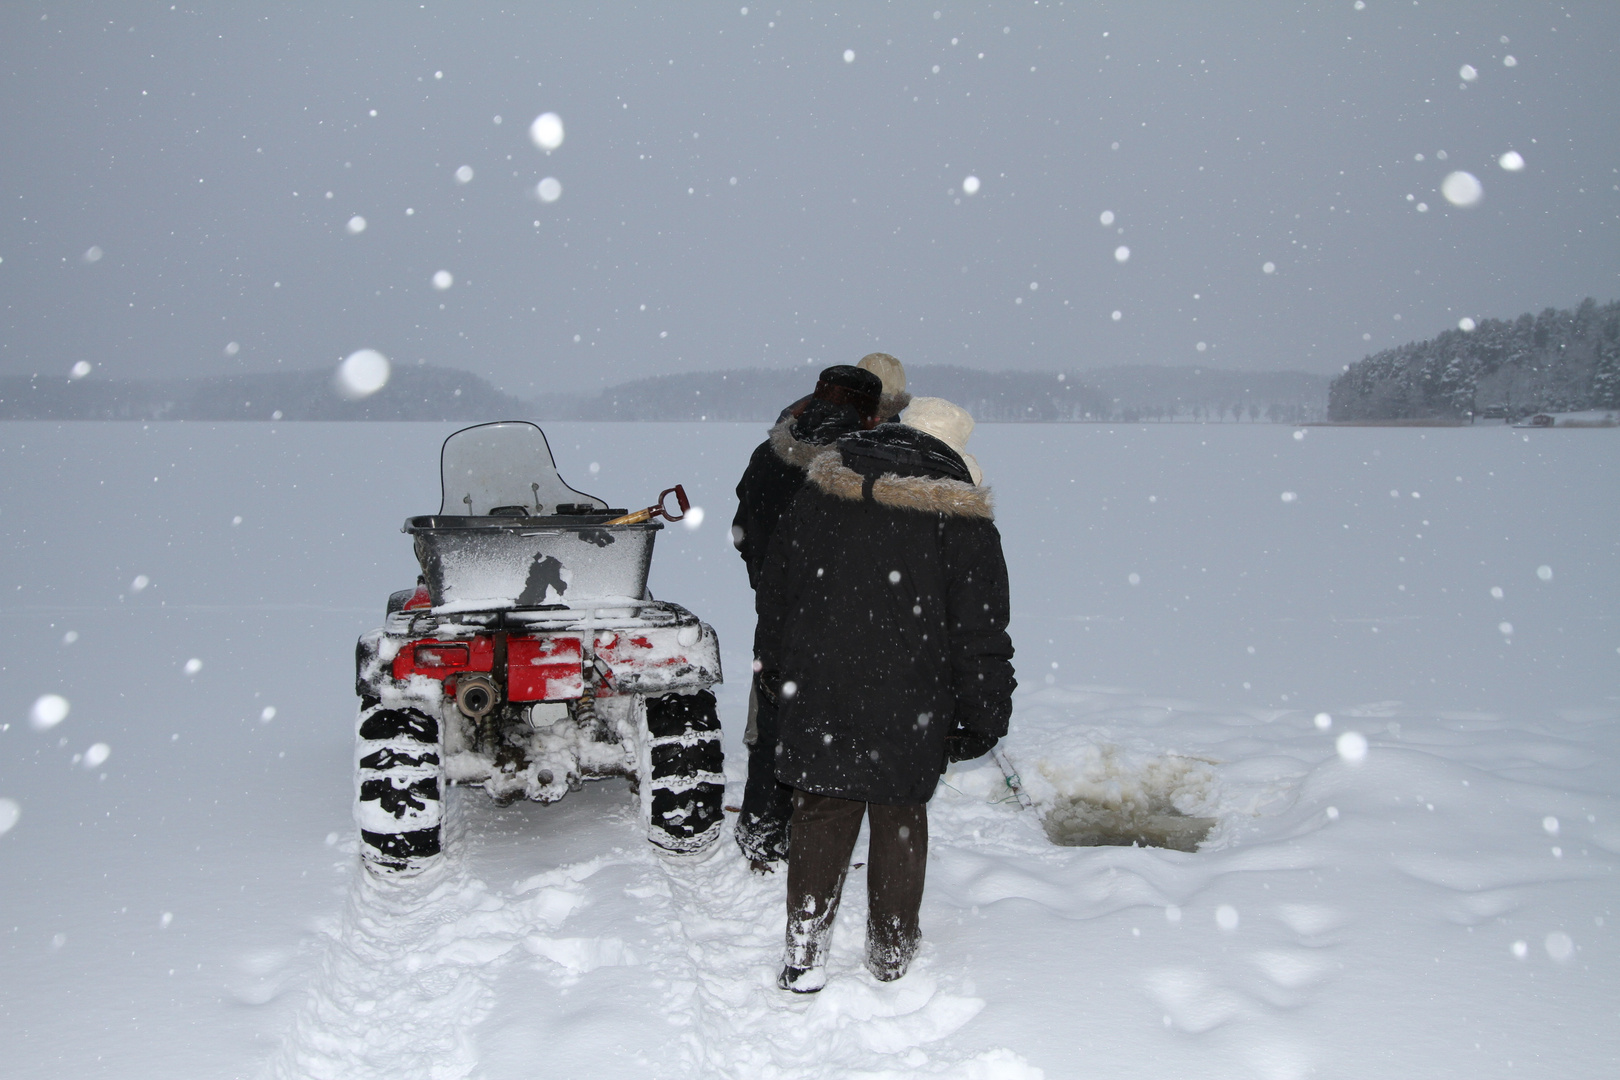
412	393
1558	361
760	394
1126	394
1209	396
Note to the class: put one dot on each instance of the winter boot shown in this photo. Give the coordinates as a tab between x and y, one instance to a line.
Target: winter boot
889	949
809	933
800	980
767	803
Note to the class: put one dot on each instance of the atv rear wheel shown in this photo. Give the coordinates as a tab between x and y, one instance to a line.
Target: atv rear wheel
686	784
399	782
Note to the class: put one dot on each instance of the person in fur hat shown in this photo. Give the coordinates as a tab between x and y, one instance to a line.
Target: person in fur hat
893	374
882	637
846	399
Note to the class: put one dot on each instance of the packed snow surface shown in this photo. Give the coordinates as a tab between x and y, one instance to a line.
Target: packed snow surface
1415	814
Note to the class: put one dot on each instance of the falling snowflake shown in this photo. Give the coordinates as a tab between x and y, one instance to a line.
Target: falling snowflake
48	711
362	374
1462	188
547	131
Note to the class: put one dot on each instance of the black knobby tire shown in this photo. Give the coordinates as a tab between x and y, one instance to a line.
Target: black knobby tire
687	784
399	783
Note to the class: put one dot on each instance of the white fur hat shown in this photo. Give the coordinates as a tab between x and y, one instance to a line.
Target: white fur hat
947	422
887	368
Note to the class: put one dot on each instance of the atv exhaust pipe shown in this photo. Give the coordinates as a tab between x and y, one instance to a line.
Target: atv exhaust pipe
476	695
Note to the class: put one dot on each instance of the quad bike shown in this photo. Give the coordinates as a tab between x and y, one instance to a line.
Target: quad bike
529	658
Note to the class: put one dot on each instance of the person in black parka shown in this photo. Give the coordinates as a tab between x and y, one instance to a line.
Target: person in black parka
883	637
846	399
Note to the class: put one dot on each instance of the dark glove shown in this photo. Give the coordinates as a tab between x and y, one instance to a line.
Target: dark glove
965	745
768	684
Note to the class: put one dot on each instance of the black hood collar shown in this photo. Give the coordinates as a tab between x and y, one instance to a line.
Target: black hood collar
898	450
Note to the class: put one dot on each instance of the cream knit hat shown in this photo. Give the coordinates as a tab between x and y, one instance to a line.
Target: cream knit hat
887	368
949	423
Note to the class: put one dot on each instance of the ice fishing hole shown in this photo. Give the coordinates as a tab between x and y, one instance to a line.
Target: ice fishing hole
1075	821
1120	802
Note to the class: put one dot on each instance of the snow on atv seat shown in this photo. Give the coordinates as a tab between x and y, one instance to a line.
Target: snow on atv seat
1406	733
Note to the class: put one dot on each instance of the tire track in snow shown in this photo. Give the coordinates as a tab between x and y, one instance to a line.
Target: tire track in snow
410	969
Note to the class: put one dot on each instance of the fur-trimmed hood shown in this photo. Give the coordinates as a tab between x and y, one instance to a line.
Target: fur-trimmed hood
928	494
792	449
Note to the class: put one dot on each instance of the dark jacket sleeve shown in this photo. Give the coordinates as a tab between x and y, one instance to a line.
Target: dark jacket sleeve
976	605
772	601
764	495
745	534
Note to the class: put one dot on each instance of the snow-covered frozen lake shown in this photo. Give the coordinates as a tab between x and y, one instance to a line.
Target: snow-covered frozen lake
1187	600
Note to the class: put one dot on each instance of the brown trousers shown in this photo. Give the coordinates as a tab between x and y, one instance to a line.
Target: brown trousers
824	832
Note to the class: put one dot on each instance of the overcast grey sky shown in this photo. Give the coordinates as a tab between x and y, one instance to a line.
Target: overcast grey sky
786	185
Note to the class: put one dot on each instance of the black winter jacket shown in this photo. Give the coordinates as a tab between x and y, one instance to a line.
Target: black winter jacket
884	604
775	474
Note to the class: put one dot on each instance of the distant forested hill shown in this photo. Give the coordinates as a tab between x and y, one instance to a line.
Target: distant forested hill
1558	361
1121	394
1128	394
760	394
412	393
1208	394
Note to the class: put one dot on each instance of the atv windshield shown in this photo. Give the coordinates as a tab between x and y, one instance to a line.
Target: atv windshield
506	469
